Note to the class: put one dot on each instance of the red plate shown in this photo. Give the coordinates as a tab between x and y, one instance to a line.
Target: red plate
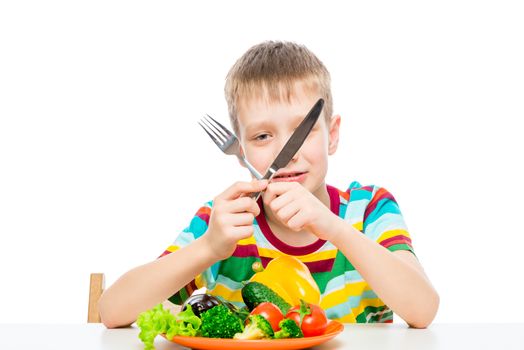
332	330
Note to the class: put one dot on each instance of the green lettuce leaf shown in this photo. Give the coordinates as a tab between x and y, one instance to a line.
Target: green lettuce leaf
187	316
161	321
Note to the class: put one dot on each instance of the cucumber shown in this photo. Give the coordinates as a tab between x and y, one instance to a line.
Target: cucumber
254	293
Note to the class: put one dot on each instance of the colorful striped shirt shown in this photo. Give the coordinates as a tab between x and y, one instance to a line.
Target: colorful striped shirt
345	295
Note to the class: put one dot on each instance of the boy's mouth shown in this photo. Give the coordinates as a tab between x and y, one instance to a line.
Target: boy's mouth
292	176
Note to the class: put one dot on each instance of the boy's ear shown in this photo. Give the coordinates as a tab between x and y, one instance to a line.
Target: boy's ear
334	128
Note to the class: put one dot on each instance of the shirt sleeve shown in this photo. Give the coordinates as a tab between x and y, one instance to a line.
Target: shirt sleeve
384	223
197	227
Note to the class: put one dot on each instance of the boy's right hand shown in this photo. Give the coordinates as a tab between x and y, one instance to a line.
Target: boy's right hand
232	217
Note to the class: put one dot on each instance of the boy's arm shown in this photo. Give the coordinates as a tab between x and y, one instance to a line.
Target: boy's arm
145	286
396	277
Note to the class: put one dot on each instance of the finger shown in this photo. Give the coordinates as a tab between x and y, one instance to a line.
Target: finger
240	188
279	202
242	232
227	222
242	204
254	209
242	219
288	211
298	221
275	189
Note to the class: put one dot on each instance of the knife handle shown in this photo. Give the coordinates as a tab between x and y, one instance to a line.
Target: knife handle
269	175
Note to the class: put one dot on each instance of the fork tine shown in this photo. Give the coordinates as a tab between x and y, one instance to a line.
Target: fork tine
216	140
214	130
222	127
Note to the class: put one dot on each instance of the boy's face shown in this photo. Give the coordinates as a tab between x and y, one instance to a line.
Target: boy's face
265	127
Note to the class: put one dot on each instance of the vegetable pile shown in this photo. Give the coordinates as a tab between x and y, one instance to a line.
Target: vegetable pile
267	315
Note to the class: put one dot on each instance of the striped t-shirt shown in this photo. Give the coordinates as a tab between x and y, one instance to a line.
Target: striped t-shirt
345	295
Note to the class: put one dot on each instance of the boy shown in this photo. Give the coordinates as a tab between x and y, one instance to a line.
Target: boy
354	242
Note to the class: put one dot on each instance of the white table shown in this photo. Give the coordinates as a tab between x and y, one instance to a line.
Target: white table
355	336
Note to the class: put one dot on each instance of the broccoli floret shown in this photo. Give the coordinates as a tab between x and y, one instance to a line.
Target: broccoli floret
220	322
240	312
288	329
257	328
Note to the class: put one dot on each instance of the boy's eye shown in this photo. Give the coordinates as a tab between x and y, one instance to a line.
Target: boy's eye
261	137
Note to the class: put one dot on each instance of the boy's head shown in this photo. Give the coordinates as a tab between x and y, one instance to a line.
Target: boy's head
269	91
269	71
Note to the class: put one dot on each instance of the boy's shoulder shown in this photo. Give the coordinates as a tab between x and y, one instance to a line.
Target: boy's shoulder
356	186
364	199
356	191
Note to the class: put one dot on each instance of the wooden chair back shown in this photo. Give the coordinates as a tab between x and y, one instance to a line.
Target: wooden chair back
96	287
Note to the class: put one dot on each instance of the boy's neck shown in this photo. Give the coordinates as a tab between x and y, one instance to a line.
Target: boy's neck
288	236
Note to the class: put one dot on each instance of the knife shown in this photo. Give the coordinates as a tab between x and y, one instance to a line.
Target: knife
293	144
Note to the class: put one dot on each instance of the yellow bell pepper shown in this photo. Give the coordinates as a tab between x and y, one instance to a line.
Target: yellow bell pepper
288	277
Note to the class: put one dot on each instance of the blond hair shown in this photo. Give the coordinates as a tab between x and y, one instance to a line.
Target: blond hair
271	69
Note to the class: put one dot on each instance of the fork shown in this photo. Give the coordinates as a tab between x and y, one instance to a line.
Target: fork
226	141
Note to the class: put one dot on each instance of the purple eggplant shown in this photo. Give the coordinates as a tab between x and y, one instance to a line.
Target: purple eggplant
200	303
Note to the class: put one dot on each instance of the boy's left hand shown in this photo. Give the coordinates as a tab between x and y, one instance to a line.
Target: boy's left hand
299	209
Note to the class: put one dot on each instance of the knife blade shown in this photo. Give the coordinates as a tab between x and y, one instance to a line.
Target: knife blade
294	143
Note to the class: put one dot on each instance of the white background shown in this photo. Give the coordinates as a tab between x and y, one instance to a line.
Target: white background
102	162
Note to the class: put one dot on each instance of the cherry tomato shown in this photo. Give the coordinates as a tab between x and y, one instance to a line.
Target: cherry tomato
314	321
270	312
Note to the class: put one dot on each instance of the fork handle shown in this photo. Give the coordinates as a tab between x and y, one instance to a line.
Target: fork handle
252	169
